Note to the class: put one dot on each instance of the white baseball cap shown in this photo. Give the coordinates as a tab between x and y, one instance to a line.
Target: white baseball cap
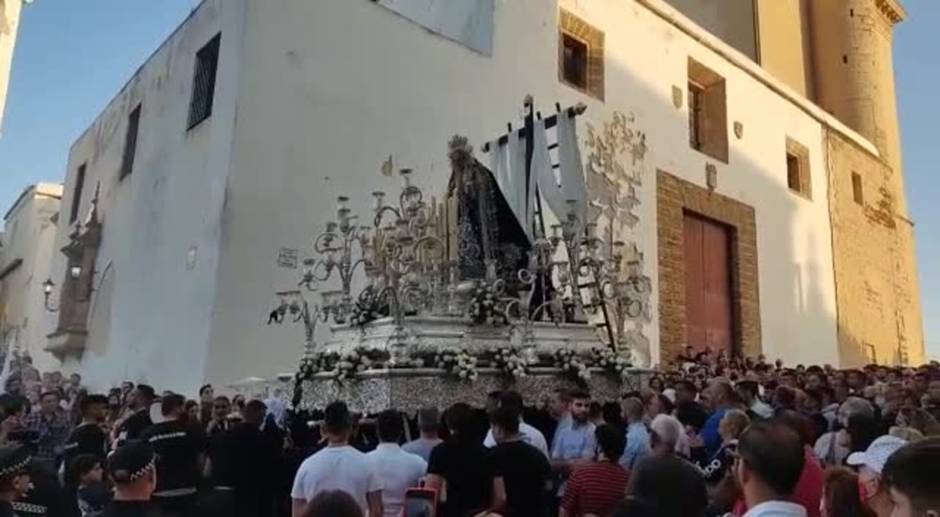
877	454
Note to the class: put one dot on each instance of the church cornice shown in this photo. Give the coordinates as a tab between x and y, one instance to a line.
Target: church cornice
892	10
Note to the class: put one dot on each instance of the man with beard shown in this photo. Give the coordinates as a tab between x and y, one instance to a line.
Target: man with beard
574	444
140	400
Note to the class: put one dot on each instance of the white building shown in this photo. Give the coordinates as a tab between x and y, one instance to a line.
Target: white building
9	26
27	251
229	146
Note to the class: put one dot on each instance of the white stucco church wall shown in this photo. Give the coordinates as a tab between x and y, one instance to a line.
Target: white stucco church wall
155	283
312	97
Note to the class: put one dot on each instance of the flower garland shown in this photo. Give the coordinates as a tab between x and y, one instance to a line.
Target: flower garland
510	362
485	308
571	365
574	363
611	361
351	363
459	363
311	365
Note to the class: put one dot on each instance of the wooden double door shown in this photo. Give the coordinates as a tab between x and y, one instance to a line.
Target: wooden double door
709	303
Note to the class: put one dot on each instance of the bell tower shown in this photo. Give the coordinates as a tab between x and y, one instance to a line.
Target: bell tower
852	43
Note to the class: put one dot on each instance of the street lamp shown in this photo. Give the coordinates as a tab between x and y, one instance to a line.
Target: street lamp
47	288
75	273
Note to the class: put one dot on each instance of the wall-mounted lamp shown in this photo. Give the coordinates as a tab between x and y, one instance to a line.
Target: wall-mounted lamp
75	272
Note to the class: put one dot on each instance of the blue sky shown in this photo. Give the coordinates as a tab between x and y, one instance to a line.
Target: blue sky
73	56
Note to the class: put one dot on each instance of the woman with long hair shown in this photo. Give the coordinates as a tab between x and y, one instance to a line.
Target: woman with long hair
841	496
860	431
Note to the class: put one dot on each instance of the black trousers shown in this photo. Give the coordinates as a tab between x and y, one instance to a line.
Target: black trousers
176	506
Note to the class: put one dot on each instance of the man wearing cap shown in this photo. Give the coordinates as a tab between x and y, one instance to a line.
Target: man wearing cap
134	474
870	464
89	437
14	477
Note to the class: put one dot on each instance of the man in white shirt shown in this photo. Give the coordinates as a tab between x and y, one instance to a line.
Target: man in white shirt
397	470
770	461
337	467
528	434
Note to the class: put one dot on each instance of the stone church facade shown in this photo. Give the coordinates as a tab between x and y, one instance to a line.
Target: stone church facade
748	149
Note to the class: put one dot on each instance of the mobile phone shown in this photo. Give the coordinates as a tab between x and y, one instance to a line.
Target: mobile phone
420	502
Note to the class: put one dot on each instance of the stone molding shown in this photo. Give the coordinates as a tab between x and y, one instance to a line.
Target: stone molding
892	10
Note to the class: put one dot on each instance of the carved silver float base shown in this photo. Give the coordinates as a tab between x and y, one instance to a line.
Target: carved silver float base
411	389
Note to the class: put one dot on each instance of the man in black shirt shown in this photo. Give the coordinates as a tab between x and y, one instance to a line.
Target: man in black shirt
457	464
179	448
14	477
133	471
243	460
88	437
521	473
46	498
141	399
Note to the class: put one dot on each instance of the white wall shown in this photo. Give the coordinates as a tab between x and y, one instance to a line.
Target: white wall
30	237
149	320
9	26
356	83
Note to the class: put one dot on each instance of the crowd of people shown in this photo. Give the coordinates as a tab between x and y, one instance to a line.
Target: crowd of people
708	435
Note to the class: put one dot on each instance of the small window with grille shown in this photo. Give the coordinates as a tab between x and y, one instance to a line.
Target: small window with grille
207	64
708	111
574	61
130	142
77	193
696	115
580	55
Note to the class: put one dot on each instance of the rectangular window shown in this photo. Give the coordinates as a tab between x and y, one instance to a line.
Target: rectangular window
708	111
207	64
581	55
130	143
793	172
574	61
798	173
696	116
857	191
77	193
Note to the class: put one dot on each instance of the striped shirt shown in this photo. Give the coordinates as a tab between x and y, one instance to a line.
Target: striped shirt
595	489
